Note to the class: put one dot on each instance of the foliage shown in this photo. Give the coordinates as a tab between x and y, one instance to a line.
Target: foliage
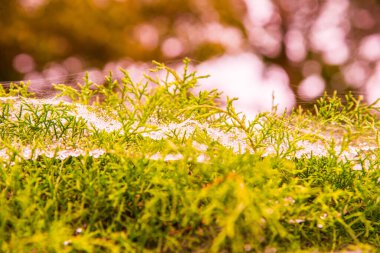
352	113
134	197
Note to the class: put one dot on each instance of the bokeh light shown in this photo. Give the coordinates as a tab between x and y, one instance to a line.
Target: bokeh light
73	64
246	77
295	46
373	85
370	47
172	47
311	87
31	5
23	63
147	35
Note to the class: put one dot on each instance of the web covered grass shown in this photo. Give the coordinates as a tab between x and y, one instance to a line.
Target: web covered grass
153	167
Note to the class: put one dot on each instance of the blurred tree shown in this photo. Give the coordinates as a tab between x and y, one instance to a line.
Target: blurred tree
98	31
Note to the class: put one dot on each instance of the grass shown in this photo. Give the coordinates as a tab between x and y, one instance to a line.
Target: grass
152	167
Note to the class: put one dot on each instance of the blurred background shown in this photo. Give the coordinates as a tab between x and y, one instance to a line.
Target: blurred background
253	49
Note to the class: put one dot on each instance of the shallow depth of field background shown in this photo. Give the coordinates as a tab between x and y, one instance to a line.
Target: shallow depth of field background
253	49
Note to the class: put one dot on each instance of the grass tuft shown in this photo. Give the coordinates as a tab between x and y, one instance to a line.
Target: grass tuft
154	167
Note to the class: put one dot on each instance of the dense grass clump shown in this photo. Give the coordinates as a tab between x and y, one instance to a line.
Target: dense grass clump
153	167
